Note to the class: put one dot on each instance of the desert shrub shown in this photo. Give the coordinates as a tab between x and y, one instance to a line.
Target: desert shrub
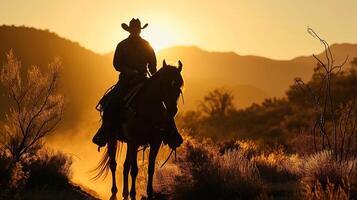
35	108
43	170
13	180
278	166
314	190
48	165
325	178
204	173
18	177
4	167
248	148
12	177
245	170
323	167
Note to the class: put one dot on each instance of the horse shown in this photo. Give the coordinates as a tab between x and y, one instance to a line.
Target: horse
151	123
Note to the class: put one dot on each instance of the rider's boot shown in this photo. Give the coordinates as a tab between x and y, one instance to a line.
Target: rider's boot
102	136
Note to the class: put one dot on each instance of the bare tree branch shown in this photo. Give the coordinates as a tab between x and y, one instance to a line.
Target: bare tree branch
37	110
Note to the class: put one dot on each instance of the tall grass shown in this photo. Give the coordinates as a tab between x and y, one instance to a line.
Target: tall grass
203	172
314	190
244	170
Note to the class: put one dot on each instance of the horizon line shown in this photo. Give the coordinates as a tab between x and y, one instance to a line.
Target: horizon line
169	47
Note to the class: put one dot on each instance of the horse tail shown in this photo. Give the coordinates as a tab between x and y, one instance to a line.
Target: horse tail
102	168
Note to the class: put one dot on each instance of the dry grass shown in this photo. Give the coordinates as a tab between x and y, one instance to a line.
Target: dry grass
242	170
322	167
202	172
314	190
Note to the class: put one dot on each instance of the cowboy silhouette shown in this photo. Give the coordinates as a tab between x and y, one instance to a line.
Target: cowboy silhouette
135	59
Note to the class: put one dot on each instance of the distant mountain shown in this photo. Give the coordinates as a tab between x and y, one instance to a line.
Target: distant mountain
265	77
339	51
86	75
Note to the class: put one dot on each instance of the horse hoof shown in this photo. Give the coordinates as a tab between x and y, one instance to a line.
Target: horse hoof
146	198
149	195
113	197
132	196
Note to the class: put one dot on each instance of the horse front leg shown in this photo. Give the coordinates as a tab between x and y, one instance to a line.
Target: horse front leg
133	170
126	170
154	149
112	146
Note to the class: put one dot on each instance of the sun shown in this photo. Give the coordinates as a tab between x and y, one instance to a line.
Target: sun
160	37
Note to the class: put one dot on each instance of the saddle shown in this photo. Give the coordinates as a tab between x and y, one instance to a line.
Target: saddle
112	95
128	111
132	94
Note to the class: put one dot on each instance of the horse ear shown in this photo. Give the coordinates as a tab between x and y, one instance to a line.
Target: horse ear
179	65
164	63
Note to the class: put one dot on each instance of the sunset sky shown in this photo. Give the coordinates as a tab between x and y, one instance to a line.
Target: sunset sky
275	29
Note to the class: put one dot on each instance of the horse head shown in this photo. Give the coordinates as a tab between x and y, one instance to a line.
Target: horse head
171	83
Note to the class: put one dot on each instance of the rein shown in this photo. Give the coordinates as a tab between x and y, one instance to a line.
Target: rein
182	97
167	159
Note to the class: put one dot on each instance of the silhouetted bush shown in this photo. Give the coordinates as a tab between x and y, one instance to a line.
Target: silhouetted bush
278	167
204	173
245	170
323	168
4	167
45	169
34	112
314	190
49	168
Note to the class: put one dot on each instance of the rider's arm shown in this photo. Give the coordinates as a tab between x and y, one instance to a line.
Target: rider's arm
118	61
152	60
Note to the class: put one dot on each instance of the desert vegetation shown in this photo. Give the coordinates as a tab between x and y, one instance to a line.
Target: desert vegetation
36	109
302	146
244	170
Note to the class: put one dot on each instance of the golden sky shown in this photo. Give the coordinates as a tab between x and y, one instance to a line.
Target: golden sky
270	28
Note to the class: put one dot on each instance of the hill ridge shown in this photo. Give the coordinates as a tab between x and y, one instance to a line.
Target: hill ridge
87	73
54	34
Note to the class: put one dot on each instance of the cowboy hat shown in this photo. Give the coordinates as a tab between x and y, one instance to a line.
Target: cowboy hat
134	24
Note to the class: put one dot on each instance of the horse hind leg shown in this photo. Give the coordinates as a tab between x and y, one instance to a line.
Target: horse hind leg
154	149
133	171
112	146
126	169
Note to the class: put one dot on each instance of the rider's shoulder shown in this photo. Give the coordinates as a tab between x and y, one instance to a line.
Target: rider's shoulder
125	41
146	43
133	41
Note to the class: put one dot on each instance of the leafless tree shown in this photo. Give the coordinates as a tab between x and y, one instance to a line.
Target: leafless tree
217	103
35	108
335	126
